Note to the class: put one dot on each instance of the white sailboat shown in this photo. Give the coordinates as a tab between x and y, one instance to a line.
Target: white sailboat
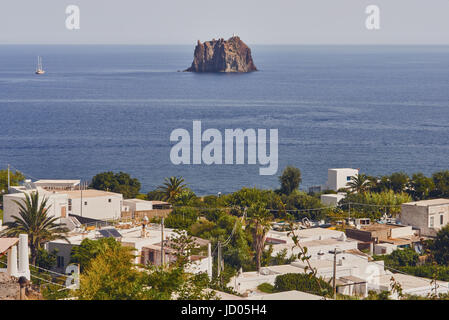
39	69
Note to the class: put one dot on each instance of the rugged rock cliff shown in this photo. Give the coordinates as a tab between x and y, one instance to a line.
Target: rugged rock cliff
232	55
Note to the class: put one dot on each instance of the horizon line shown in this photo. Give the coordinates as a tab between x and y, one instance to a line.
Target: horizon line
252	44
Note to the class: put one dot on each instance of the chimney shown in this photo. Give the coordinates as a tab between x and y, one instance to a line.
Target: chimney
209	263
12	261
24	263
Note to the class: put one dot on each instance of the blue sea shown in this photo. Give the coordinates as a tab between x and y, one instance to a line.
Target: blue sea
99	108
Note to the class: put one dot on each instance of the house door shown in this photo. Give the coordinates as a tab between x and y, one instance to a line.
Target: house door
63	212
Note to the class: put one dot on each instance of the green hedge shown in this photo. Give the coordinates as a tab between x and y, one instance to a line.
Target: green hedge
302	282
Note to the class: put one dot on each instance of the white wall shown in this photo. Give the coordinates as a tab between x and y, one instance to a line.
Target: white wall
55	204
332	199
338	178
402	232
98	207
138	205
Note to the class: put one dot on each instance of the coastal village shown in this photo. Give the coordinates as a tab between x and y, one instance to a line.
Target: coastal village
345	249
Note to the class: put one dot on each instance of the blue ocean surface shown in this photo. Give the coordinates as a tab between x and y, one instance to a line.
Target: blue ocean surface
99	108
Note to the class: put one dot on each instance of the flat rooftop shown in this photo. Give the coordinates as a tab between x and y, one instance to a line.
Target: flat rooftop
287	295
90	193
426	203
379	227
135	200
409	282
56	181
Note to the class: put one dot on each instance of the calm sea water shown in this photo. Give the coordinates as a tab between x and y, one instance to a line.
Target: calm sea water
98	108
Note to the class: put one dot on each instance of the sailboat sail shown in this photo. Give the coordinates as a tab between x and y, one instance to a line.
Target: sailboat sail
39	69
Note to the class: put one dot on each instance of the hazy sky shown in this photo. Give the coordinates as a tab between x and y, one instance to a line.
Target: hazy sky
256	21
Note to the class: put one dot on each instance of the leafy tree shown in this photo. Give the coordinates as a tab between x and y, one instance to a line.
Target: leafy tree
373	295
186	198
440	246
379	203
173	281
400	258
181	218
90	249
399	182
246	197
171	188
34	221
359	183
45	259
111	276
154	195
218	226
290	180
421	186
281	258
380	184
441	181
259	225
15	178
116	182
299	200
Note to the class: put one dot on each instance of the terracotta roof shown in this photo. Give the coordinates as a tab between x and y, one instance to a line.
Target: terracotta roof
6	243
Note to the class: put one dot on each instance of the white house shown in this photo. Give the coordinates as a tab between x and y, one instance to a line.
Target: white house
56	203
319	241
428	216
410	285
146	242
355	272
332	199
91	204
58	184
94	204
339	178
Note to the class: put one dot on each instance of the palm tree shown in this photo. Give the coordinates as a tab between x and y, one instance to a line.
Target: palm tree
34	221
359	183
172	187
259	225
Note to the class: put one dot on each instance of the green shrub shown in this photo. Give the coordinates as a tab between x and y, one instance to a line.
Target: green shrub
302	282
266	287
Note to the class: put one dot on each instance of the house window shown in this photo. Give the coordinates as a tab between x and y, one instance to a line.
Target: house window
348	178
432	222
60	261
85	203
70	204
441	220
109	200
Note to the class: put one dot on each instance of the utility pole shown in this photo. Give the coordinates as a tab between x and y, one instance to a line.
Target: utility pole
162	242
218	259
81	190
334	284
334	278
349	211
9	181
